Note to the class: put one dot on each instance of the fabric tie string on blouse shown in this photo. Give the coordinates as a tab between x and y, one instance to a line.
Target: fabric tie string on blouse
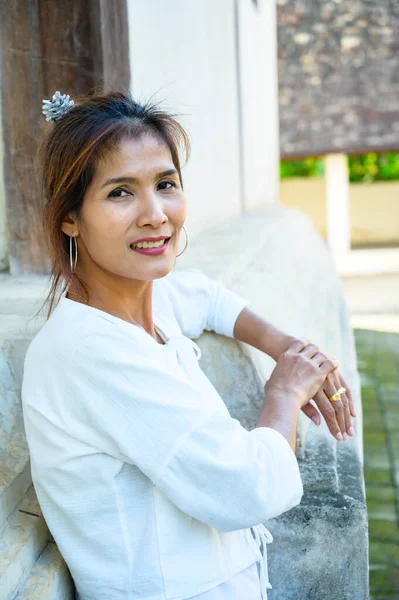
262	537
186	359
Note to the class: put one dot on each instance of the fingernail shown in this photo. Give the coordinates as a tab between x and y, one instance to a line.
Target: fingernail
351	431
315	420
339	436
345	435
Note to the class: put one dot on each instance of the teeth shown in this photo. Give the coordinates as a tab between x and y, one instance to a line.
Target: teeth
149	244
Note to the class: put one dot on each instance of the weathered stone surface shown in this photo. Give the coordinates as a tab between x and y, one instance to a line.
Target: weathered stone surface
338	76
49	579
22	540
14	456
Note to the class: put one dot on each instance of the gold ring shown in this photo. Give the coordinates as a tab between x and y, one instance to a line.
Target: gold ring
337	396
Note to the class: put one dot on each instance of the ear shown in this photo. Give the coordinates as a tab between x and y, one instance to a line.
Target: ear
69	226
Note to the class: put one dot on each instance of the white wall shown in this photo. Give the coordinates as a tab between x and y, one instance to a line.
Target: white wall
3	219
259	93
185	51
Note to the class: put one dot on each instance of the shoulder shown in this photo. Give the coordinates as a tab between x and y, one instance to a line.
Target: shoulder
74	330
179	290
184	285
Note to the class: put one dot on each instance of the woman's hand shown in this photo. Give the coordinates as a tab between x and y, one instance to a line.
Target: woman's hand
336	414
299	373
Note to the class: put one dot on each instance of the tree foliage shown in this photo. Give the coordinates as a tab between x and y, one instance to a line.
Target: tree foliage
361	168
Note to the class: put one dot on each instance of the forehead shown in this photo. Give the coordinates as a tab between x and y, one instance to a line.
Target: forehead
146	154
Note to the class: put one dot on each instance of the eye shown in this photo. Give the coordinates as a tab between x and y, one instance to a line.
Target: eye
173	184
113	195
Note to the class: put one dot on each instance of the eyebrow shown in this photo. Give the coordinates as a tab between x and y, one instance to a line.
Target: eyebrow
126	178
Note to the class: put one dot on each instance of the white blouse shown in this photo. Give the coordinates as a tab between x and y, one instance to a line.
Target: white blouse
244	585
150	488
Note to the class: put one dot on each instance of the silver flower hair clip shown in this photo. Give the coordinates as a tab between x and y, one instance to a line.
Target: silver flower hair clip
57	106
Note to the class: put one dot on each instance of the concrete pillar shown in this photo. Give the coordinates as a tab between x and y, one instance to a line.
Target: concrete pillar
337	204
194	74
258	103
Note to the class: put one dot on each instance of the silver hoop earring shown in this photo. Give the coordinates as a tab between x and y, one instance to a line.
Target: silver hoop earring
71	237
186	242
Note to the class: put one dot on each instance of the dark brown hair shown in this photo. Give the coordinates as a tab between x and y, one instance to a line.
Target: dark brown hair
68	155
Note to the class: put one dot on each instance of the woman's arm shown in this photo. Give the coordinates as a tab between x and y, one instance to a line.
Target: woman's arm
127	402
203	304
253	329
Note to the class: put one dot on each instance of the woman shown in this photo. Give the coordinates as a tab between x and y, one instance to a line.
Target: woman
149	487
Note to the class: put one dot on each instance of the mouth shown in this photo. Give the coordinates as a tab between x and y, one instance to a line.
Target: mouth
151	248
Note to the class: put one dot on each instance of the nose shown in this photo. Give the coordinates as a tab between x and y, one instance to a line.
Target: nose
151	211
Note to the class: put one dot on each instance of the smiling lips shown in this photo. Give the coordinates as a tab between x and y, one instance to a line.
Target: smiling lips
151	248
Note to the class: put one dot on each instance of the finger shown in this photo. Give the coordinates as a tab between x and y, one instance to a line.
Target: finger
319	358
310	350
349	396
328	412
329	388
327	366
348	421
312	412
298	345
337	379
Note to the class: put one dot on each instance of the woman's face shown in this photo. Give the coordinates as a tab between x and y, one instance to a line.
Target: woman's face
146	202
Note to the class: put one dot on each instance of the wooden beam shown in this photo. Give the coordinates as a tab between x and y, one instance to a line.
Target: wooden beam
47	46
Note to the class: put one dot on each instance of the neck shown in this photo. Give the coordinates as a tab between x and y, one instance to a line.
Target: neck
133	305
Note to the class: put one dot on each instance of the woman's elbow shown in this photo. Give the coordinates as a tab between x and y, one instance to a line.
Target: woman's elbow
277	504
258	511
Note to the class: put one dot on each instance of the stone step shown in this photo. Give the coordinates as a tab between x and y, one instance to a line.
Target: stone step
13	487
22	540
15	476
49	578
16	333
22	294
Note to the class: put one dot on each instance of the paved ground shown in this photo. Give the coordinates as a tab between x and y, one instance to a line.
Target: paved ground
378	358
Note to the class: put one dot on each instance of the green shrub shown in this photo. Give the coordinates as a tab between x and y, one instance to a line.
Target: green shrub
364	168
308	167
374	167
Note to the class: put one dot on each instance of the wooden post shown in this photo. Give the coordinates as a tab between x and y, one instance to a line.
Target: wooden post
47	46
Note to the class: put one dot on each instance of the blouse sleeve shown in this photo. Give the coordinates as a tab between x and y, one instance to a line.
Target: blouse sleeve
139	411
201	303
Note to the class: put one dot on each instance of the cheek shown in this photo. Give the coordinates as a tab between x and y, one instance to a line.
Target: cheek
104	229
110	223
178	211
